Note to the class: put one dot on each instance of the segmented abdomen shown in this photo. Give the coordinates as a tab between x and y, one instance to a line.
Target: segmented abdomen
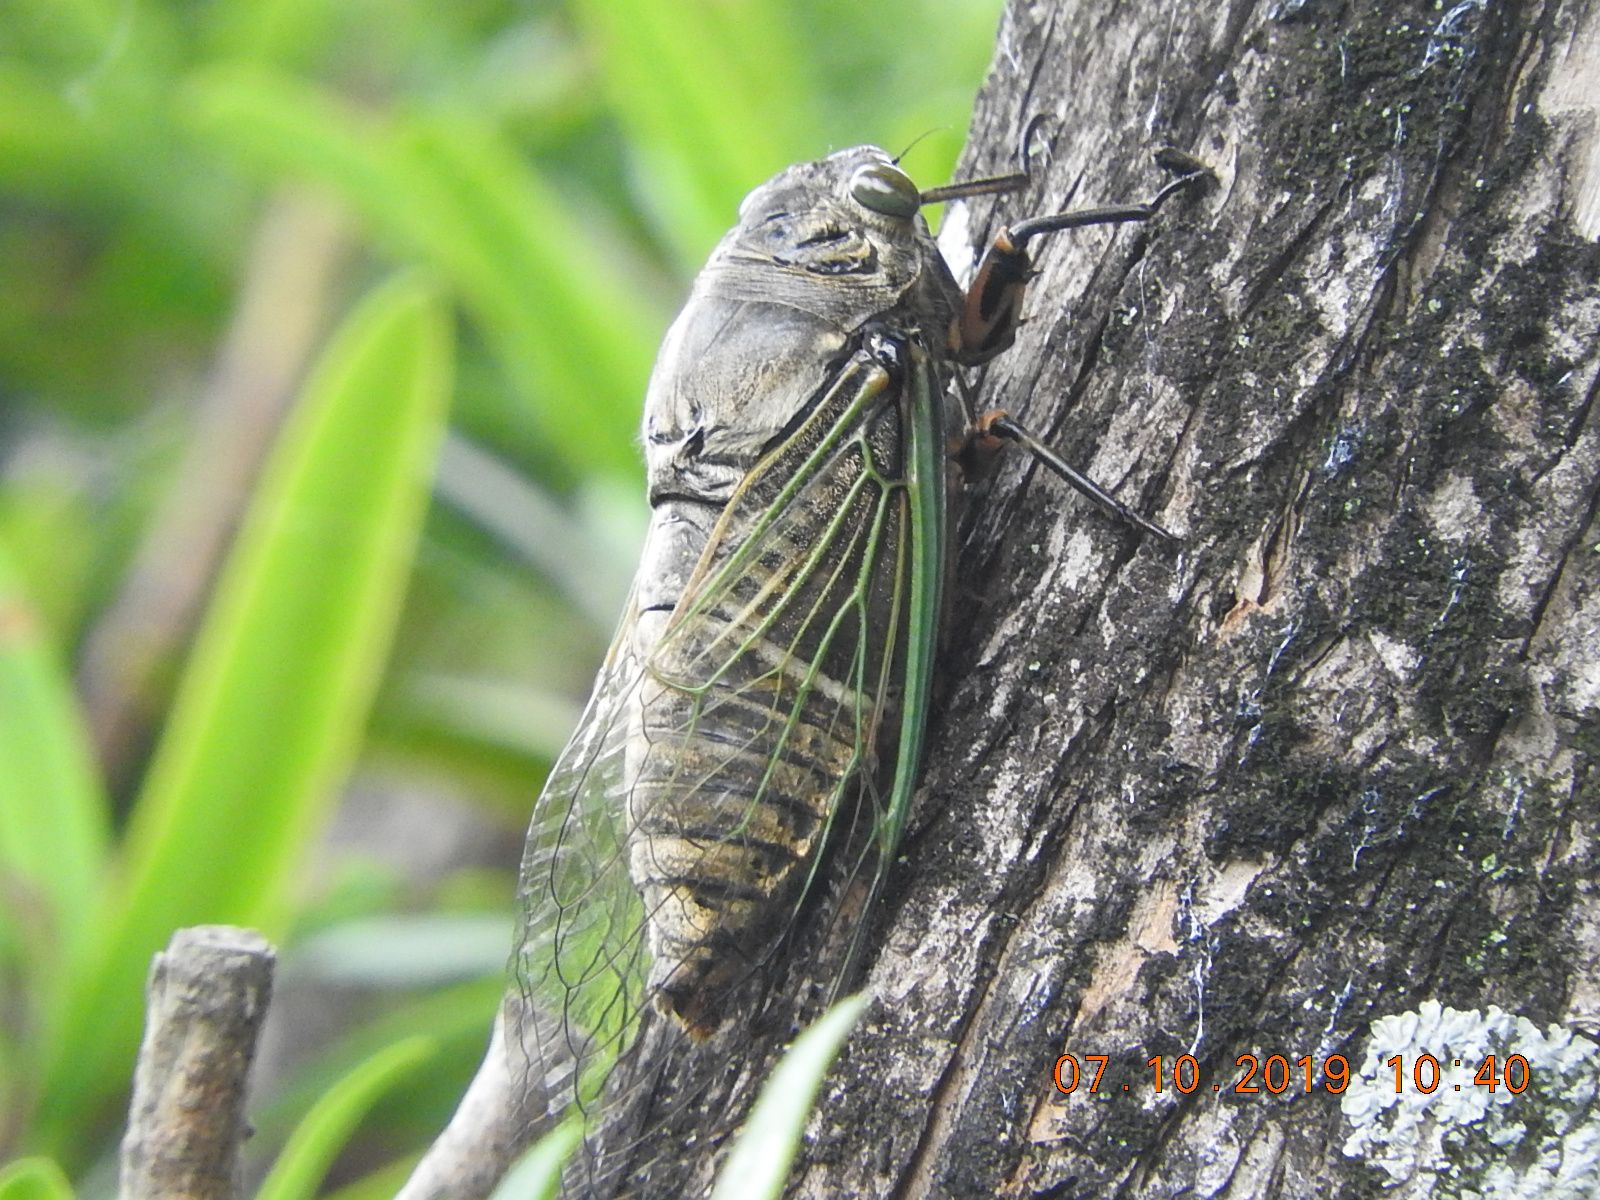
761	704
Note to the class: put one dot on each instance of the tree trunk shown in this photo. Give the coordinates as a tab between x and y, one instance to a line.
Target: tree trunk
1336	756
1331	760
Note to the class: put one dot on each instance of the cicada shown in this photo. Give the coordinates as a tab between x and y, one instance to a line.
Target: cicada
758	722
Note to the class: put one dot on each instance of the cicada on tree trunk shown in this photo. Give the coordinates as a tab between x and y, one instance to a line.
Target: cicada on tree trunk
752	743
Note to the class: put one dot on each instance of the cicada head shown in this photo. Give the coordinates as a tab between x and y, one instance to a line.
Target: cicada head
853	217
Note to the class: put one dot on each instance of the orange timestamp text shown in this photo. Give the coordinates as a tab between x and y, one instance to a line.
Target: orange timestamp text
1275	1074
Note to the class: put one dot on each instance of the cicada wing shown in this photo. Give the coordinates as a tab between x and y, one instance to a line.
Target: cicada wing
579	957
767	693
684	823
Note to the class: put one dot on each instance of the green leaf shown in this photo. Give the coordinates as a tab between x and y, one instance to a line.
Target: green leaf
537	1174
34	1179
46	148
313	1146
564	316
405	950
275	695
714	98
571	324
276	122
383	1184
276	31
456	1018
51	533
760	1159
53	823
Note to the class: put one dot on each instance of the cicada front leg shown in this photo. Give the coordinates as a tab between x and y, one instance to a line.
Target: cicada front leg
992	312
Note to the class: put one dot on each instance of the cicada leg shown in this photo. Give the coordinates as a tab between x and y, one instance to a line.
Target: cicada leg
997	424
988	321
992	312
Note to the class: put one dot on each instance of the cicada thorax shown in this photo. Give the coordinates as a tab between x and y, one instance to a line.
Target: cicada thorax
764	699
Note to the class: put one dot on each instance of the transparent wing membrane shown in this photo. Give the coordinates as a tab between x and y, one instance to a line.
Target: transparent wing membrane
680	830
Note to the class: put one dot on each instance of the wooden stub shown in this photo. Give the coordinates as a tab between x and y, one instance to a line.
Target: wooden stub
206	999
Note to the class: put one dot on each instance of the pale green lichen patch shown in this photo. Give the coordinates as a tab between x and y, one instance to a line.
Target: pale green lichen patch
1464	1140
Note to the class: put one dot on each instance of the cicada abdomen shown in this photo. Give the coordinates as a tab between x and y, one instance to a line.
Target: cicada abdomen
765	695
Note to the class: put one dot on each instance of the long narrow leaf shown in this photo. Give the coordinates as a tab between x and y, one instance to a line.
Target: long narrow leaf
46	149
53	833
760	1160
587	334
275	695
568	323
383	1184
327	1127
273	121
34	1179
714	98
454	1017
537	1174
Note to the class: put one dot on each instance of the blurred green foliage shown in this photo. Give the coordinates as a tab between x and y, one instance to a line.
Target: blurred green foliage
249	250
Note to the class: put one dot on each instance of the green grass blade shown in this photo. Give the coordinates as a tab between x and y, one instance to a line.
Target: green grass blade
567	321
714	97
278	123
275	696
313	1146
392	951
537	1174
454	1017
760	1160
34	1179
269	31
53	825
571	320
46	149
383	1184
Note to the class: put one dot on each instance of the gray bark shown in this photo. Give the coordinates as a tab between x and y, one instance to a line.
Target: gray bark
1331	760
1334	758
207	997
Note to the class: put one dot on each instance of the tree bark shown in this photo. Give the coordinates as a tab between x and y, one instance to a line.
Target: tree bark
1335	757
207	997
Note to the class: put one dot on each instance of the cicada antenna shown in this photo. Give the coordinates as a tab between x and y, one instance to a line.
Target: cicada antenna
994	185
916	141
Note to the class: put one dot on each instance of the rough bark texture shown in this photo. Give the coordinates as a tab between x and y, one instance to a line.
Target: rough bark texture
1332	760
1337	756
207	997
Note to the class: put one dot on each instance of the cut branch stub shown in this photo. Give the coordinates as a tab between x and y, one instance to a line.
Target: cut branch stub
207	997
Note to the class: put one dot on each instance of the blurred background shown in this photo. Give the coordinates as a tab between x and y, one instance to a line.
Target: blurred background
324	327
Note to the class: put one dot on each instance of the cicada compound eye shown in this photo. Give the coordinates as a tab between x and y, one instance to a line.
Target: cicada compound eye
885	188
